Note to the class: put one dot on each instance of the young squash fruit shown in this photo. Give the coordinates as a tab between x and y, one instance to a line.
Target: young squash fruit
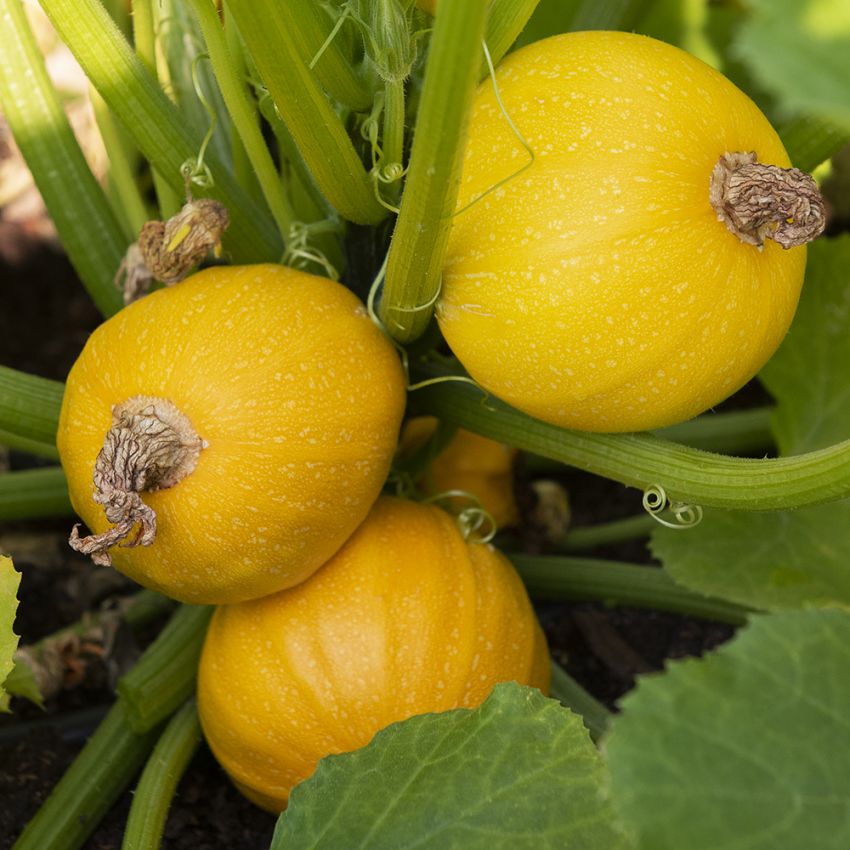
469	463
222	438
406	618
635	272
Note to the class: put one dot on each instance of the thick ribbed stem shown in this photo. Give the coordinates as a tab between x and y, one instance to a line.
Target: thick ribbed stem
150	446
758	202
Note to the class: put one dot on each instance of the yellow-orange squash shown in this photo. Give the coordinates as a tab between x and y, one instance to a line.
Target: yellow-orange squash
597	288
406	618
296	398
469	463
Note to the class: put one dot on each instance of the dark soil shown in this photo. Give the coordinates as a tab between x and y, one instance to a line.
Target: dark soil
46	319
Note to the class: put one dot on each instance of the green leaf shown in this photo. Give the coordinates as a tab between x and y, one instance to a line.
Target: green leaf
799	50
518	772
787	558
744	749
21	682
784	559
9	581
808	376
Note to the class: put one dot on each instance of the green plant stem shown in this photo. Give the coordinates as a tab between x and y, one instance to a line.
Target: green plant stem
144	41
29	412
144	33
571	694
582	538
34	493
155	791
127	201
614	583
642	460
270	38
242	168
736	433
392	138
244	117
91	234
739	433
419	242
95	779
505	22
155	124
311	27
165	677
292	156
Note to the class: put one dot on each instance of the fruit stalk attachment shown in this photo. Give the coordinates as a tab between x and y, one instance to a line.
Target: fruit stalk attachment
150	446
758	202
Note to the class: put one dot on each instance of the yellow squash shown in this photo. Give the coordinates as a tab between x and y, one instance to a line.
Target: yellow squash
469	463
293	399
596	287
405	619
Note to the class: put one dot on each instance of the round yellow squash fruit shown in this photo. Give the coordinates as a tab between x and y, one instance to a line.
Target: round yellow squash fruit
407	618
469	463
239	426
597	287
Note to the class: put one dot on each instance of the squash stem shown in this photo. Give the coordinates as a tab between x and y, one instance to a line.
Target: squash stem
273	37
392	138
738	433
34	493
164	678
560	578
244	117
144	42
155	124
29	412
687	475
581	539
419	242
90	232
158	783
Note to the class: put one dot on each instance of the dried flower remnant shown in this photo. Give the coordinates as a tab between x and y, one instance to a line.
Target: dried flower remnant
758	202
168	250
150	446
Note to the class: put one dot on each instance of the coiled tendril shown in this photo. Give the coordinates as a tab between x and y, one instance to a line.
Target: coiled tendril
655	503
476	524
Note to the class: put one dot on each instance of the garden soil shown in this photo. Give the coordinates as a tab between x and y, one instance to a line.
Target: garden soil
45	319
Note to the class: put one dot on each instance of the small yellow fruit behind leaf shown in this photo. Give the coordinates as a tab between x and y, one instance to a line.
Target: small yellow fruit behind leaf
287	401
405	619
469	463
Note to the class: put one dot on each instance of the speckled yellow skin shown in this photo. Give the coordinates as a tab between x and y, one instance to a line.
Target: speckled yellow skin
597	290
299	397
405	619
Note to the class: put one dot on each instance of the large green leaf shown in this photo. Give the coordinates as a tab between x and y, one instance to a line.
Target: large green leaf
9	581
799	50
744	749
787	558
518	772
783	559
